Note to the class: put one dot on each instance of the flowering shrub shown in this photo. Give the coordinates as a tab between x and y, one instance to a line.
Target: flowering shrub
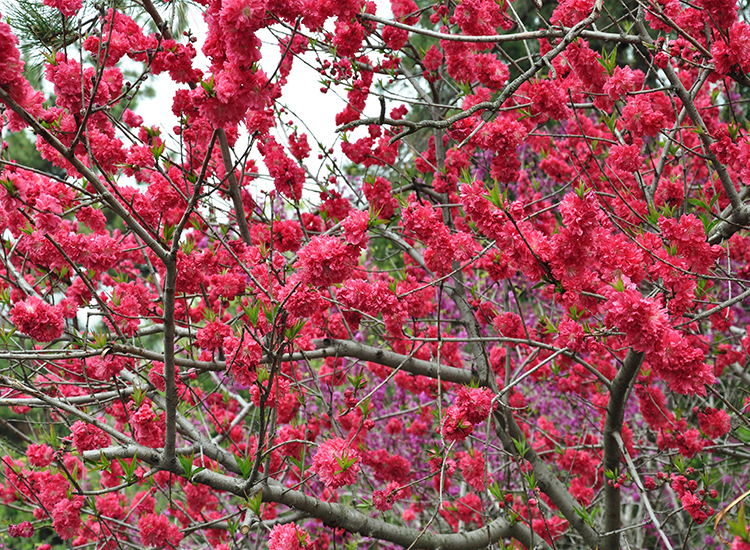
507	309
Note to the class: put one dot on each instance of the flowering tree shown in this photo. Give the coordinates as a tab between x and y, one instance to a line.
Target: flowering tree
513	314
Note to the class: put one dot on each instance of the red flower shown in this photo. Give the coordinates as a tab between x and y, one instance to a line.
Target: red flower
23	530
38	319
327	261
640	118
714	422
39	455
288	537
67	7
476	403
473	469
336	463
148	428
66	517
87	437
156	530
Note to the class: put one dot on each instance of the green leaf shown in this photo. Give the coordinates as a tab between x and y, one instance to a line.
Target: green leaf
128	469
619	285
345	462
521	446
496	197
157	150
252	313
254	503
138	396
291	333
186	461
584	514
496	491
208	85
263	374
6	334
168	230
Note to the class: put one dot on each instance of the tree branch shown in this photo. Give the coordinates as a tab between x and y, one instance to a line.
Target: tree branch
234	189
170	281
501	38
331	513
347	348
618	396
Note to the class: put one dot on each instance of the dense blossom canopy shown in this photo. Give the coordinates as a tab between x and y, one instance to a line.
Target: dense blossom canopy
505	307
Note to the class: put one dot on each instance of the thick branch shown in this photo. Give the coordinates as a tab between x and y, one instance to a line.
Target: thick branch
351	520
347	348
508	430
101	397
618	395
234	188
170	281
730	221
478	350
333	514
706	139
198	440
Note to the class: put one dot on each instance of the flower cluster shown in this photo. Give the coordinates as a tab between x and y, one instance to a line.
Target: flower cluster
472	406
336	463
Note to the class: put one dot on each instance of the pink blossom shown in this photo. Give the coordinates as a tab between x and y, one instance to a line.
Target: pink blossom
87	437
298	146
148	428
641	119
714	422
47	219
336	463
67	7
131	119
548	100
39	455
23	530
348	37
383	500
66	517
723	12
476	403
433	58
355	227
211	337
157	530
622	81
288	537
242	358
326	260
288	176
37	319
570	12
473	469
455	425
653	408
